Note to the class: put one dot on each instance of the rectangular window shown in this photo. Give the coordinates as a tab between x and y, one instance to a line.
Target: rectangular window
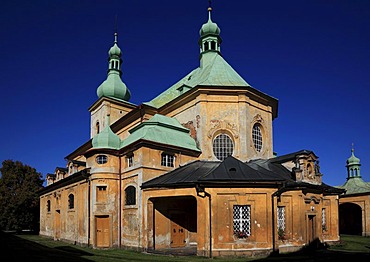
130	160
168	160
323	220
281	222
101	193
242	220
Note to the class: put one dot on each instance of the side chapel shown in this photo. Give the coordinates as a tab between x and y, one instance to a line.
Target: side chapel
192	168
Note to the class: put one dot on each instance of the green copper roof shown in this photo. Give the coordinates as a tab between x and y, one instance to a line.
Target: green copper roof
113	85
106	138
213	71
164	130
355	185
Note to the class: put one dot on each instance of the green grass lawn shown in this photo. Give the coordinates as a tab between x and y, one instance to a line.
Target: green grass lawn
27	247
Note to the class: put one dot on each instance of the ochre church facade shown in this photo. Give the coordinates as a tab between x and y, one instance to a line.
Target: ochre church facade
192	168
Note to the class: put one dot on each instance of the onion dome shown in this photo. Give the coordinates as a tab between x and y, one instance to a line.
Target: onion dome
113	85
353	160
353	166
210	39
209	27
106	138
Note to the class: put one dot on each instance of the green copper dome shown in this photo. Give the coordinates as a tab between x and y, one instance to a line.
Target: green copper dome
352	160
113	85
209	28
115	51
106	138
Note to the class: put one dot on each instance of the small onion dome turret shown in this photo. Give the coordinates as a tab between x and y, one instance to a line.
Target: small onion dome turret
106	138
209	28
352	160
113	85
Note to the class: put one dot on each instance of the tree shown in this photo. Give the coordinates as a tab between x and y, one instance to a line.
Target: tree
19	199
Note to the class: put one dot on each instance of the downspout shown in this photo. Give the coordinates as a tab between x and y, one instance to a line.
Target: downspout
276	193
119	202
88	211
202	193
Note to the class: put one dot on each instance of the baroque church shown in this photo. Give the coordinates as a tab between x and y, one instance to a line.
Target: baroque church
192	168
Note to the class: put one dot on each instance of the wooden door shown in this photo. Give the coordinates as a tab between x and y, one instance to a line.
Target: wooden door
177	230
102	231
311	228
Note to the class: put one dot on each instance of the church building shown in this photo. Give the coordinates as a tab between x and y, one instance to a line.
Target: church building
192	168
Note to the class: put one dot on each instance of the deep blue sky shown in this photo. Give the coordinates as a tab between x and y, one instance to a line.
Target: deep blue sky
312	55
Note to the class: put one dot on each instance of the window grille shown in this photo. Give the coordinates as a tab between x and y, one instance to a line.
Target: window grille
223	146
281	218
257	137
242	220
167	160
130	193
323	219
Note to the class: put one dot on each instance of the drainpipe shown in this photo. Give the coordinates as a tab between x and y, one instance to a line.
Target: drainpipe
88	211
202	193
119	203
276	193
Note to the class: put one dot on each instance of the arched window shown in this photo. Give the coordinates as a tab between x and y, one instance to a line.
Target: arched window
130	195
213	45
71	201
97	127
257	137
48	205
223	146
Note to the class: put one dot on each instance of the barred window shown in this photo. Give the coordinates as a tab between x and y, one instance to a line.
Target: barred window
242	220
281	218
130	195
223	146
323	220
168	160
257	137
71	201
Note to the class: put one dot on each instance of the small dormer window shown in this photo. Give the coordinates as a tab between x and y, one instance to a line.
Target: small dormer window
101	159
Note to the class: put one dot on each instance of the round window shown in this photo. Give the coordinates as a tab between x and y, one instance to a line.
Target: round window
223	146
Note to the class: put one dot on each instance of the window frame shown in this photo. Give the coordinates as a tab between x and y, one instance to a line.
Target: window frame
130	195
257	137
221	146
242	217
101	159
71	201
168	160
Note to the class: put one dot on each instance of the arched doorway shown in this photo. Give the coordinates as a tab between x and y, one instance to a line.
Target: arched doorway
350	219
